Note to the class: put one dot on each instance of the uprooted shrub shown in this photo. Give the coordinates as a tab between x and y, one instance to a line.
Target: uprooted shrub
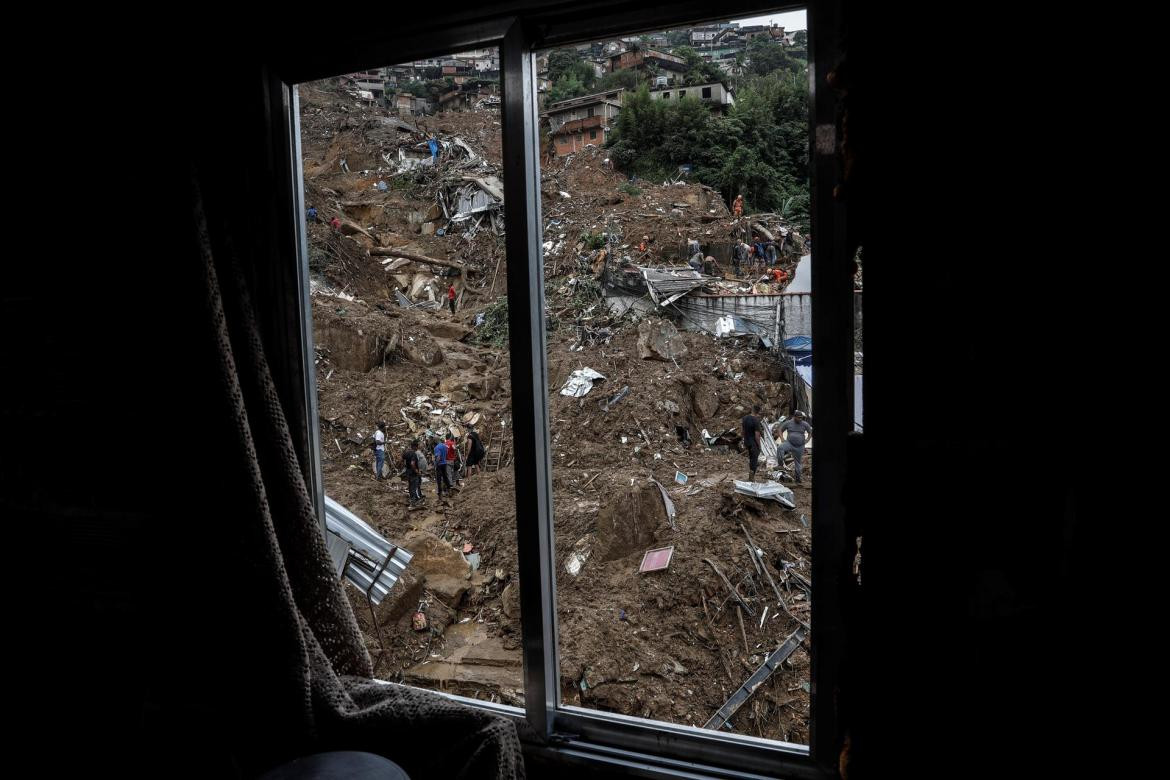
492	329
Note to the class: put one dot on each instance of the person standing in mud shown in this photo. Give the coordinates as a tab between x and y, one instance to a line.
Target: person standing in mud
797	430
451	297
440	453
737	207
410	461
751	440
379	449
452	460
475	451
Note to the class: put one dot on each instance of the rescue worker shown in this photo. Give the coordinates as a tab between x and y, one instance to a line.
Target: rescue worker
644	245
797	429
451	297
758	253
771	252
737	207
740	257
335	223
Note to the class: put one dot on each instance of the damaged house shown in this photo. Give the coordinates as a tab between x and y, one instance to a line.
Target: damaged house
576	122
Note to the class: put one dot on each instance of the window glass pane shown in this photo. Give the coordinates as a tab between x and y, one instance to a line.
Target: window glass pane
403	193
672	313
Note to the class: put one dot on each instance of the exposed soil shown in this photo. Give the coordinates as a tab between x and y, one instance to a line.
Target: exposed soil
664	644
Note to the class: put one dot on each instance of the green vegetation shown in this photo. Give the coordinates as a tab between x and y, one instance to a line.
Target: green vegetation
493	331
629	189
430	89
758	149
594	240
698	71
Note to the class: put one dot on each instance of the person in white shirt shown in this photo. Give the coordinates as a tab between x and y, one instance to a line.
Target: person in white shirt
379	449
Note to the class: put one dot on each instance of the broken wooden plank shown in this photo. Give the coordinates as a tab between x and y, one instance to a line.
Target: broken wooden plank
758	678
739	614
730	589
763	565
385	251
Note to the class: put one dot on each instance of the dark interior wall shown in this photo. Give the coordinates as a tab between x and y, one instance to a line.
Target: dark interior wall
973	537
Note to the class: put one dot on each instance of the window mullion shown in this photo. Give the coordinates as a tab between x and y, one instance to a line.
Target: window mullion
534	532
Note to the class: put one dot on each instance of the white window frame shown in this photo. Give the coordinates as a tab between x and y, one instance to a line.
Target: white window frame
574	734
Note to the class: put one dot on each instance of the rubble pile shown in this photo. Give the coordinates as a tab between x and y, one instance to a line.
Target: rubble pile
644	422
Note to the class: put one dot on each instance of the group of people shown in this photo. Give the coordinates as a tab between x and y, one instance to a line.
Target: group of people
796	429
759	255
447	461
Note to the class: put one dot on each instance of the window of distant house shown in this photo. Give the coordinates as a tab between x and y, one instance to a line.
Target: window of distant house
706	92
665	95
589	111
682	93
592	134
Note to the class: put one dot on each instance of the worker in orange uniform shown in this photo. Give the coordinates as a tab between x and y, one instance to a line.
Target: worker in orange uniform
779	275
737	207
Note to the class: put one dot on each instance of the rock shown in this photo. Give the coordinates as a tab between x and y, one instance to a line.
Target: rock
420	349
445	329
659	340
479	386
403	597
450	590
435	558
461	361
510	600
704	401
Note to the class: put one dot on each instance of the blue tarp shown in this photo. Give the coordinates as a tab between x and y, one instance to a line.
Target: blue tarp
798	345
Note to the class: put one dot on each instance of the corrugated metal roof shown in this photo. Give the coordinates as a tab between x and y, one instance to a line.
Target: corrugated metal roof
371	551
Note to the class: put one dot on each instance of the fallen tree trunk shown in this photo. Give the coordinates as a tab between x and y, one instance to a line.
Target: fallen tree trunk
385	251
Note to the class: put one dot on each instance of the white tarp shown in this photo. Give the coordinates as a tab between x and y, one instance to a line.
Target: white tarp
580	382
769	489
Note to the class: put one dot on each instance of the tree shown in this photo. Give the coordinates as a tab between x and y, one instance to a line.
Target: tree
699	70
800	37
628	79
764	57
759	149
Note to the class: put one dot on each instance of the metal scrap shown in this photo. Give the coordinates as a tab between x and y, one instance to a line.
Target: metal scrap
758	678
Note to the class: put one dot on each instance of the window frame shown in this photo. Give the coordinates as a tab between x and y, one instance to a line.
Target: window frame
574	734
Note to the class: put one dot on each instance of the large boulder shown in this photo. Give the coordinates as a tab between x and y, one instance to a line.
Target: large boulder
419	348
482	387
445	329
704	400
659	340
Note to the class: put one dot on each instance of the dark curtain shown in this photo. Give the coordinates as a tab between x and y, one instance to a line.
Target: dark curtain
280	635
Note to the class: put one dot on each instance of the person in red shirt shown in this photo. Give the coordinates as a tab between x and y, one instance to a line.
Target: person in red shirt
779	275
336	224
451	296
452	471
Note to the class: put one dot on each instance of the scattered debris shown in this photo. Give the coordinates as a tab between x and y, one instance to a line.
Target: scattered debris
773	490
766	670
580	382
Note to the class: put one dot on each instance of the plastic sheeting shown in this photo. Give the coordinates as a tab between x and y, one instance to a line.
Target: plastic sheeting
773	490
580	382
